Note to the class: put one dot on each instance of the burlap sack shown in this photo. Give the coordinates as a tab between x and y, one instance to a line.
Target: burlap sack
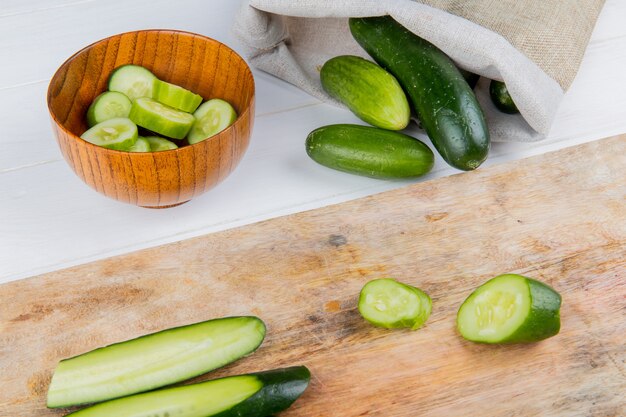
535	46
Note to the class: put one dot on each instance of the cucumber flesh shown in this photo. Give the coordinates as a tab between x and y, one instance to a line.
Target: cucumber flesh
141	145
391	304
133	81
510	309
119	133
158	144
108	105
252	395
211	118
153	361
159	118
176	96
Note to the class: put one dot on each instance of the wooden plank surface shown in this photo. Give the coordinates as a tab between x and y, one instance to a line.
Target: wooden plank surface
558	217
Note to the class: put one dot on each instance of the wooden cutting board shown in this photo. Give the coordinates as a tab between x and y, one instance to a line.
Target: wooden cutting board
559	217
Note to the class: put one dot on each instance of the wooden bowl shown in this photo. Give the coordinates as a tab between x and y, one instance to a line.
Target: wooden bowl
157	179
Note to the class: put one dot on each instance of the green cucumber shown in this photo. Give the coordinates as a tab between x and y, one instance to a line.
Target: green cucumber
510	309
176	96
141	145
133	81
443	101
391	304
501	98
252	395
369	91
119	133
159	118
158	144
153	361
108	105
211	118
470	77
369	151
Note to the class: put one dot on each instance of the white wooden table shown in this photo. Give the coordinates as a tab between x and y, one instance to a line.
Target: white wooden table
50	220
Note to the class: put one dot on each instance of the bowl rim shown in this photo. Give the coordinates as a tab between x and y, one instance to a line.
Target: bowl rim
169	151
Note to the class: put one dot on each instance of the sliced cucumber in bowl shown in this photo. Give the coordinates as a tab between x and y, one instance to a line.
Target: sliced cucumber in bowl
108	105
119	133
133	81
212	117
176	96
161	119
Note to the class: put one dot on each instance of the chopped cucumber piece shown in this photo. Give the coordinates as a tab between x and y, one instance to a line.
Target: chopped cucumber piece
153	361
158	144
119	133
510	309
141	145
133	81
108	105
176	96
211	118
160	118
391	304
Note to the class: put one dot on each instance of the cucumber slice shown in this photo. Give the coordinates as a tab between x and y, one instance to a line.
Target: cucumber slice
153	361
119	133
160	118
133	81
141	145
108	105
158	144
510	309
391	304
176	96
211	118
252	395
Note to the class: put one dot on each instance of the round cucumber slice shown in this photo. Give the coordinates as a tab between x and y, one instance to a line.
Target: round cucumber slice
211	118
133	81
176	96
510	309
119	133
141	145
160	118
108	105
391	304
158	144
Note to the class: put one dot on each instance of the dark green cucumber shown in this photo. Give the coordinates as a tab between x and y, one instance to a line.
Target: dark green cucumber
252	395
153	361
501	98
443	101
470	77
510	309
369	151
369	91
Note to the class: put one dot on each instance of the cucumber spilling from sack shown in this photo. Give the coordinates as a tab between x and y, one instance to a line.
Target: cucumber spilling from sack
252	395
501	98
440	96
153	361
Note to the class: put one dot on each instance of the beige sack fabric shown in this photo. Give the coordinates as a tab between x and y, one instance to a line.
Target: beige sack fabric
535	46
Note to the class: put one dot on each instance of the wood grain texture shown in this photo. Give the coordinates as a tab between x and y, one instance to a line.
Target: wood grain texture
558	217
158	179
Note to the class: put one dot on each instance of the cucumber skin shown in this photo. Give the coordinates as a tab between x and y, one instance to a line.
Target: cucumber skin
470	78
501	98
367	90
443	101
281	387
369	151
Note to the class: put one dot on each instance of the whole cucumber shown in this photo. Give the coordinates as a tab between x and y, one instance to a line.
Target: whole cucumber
369	91
443	101
369	151
501	98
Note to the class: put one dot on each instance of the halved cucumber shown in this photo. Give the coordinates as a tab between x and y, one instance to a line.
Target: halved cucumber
153	361
133	81
252	395
160	118
118	133
141	145
176	96
510	309
108	105
158	144
391	304
211	118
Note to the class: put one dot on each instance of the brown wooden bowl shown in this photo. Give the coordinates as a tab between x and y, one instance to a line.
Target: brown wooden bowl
157	179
